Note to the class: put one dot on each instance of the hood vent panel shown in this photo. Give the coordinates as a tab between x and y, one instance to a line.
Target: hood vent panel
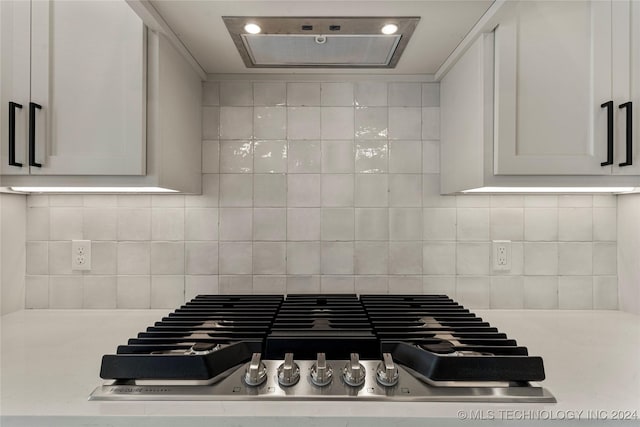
332	42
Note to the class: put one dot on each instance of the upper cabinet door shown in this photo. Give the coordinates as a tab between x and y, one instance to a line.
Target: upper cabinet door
553	72
88	76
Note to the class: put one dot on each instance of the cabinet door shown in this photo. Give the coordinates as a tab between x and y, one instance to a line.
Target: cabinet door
14	83
553	71
88	74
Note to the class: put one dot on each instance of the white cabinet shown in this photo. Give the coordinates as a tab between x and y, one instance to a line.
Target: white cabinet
563	69
74	73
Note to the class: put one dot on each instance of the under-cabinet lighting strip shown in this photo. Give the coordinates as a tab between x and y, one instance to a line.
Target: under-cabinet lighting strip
92	190
552	190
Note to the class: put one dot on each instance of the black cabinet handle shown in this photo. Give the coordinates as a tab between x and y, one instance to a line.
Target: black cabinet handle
609	107
12	134
32	134
629	159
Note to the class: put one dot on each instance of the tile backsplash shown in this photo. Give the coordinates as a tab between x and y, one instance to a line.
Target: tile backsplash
321	187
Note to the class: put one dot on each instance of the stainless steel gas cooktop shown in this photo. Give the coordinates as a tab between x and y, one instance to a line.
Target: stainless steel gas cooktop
322	347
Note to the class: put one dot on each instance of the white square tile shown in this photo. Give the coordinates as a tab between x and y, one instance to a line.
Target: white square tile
439	285
605	258
431	197
473	258
371	123
575	224
167	258
236	157
303	284
605	293
431	94
336	123
507	201
473	224
371	157
575	292
65	292
337	258
303	224
540	201
338	157
38	224
37	200
68	200
541	224
507	223
269	224
269	257
270	156
439	258
37	256
60	258
507	292
405	223
100	292
236	223
430	123
439	223
337	224
98	224
303	123
235	123
303	93
200	285
270	122
473	201
431	157
167	224
575	201
405	257
405	94
201	257
201	224
167	291
371	190
605	224
371	93
65	223
134	258
210	122
575	258
236	93
236	190
372	223
303	258
134	224
371	285
604	201
405	123
269	93
337	190
336	94
134	292
210	93
405	190
303	190
104	257
236	258
304	157
337	284
541	292
541	259
405	285
269	190
371	257
236	285
168	201
270	285
405	156
210	193
36	292
474	292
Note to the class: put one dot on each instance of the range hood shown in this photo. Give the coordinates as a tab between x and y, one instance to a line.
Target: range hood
320	42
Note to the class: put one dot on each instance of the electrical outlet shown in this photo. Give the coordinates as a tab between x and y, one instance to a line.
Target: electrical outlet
81	254
502	255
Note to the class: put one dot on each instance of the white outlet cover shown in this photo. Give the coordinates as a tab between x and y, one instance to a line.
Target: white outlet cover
81	255
501	255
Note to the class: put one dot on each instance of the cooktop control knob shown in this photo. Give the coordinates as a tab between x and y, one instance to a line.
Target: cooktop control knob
321	373
387	372
353	372
256	372
288	371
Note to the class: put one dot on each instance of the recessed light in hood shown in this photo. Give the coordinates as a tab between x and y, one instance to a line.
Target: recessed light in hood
321	42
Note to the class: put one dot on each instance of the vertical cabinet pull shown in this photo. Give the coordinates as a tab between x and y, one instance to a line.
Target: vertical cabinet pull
12	134
32	134
609	107
629	160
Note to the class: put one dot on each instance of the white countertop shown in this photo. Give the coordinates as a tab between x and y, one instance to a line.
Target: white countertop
51	360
